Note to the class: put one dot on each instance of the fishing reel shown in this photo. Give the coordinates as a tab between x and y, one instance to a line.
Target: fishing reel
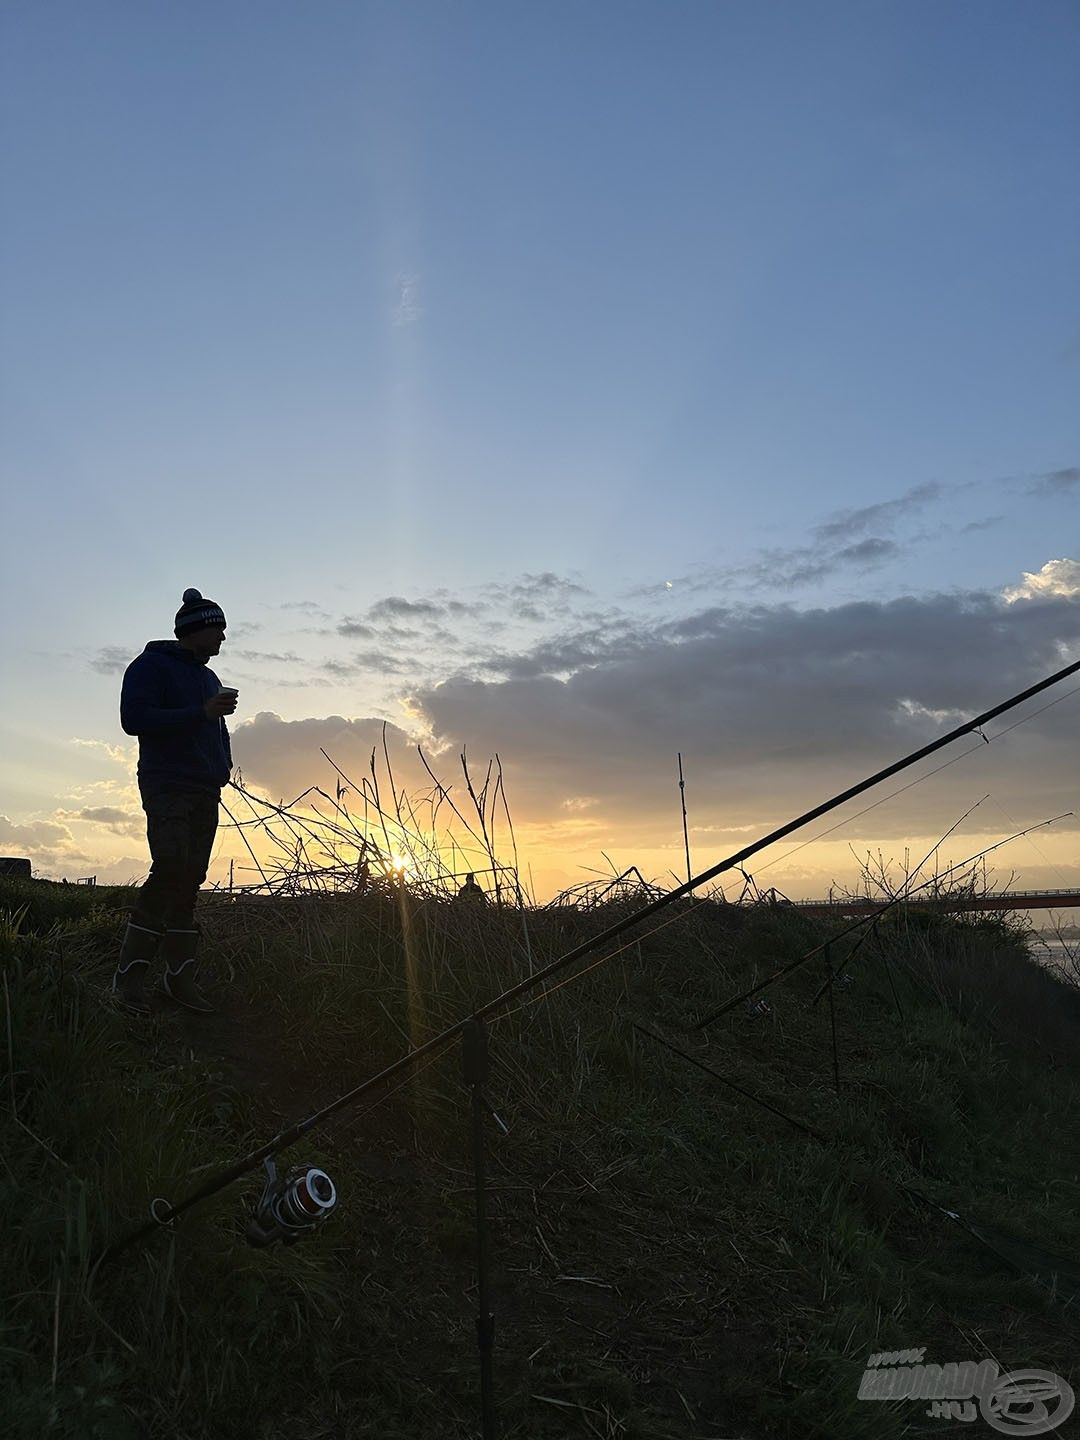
290	1206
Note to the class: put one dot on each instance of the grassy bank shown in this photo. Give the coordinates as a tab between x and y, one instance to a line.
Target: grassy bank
672	1259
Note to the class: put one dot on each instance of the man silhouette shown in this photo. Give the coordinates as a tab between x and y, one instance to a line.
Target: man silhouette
176	705
471	892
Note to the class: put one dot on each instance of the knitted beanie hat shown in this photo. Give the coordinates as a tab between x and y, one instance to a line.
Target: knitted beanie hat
196	612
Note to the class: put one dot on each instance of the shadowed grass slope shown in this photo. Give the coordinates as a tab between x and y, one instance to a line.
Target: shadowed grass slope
671	1260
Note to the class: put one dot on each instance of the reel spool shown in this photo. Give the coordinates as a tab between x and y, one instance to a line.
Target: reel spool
290	1206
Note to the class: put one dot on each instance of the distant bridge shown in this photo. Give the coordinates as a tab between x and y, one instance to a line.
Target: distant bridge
1012	900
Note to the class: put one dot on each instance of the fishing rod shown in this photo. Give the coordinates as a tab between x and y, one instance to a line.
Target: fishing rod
870	919
1054	1265
726	1080
163	1213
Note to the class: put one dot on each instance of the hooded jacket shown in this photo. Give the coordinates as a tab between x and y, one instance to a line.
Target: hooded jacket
161	701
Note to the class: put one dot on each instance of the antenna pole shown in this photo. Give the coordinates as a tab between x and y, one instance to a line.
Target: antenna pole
685	832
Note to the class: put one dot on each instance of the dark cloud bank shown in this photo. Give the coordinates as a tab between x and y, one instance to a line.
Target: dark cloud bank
773	708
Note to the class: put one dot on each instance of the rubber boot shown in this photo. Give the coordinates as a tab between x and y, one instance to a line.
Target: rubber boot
139	947
178	948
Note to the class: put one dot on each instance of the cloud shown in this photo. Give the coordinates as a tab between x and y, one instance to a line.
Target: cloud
603	640
54	851
121	754
460	609
396	607
282	757
383	620
371	662
288	657
804	565
48	844
415	620
382	662
974	525
356	628
111	660
407	310
535	597
35	836
545	585
1056	482
425	636
880	516
1056	578
110	817
833	548
126	870
871	551
122	794
772	707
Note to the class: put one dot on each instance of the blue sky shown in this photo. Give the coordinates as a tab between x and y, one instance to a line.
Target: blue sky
685	307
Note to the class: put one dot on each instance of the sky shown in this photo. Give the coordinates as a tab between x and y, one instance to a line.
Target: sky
584	384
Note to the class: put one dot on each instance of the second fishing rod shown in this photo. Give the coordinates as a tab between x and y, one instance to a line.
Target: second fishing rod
163	1213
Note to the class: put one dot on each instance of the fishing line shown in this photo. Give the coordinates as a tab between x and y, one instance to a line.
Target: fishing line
726	1080
831	974
165	1214
831	1143
1053	1265
577	975
776	860
1035	713
438	1042
872	918
1048	863
869	920
874	915
871	930
912	783
863	920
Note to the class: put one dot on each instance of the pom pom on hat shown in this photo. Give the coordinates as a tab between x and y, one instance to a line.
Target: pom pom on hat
195	612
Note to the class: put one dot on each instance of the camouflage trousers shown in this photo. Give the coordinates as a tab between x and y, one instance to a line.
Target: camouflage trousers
180	830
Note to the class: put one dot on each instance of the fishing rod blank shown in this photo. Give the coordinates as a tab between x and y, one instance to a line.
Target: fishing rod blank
164	1214
870	919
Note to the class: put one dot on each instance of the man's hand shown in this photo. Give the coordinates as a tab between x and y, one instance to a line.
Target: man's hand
219	705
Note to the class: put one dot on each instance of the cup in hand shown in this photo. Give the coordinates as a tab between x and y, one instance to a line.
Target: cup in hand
224	702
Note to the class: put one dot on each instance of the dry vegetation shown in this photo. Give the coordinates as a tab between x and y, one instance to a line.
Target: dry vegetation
678	1253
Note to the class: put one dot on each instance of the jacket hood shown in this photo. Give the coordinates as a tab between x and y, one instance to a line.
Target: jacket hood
173	647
